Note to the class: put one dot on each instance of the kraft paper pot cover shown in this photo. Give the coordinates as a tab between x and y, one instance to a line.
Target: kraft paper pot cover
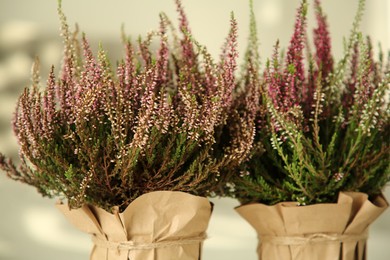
163	225
331	231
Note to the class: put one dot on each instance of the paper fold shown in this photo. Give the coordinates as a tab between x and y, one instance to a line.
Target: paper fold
330	223
170	223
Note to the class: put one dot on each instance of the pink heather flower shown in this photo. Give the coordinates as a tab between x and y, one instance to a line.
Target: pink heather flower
229	64
294	75
323	61
27	130
163	55
348	97
322	43
274	80
49	105
92	73
186	42
145	116
285	88
130	69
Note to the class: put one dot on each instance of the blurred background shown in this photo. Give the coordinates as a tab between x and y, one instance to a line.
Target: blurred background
30	226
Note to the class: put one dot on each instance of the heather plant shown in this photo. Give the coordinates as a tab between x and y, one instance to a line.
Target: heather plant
158	121
321	126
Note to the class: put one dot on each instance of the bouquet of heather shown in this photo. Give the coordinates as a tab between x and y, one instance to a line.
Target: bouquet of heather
131	149
322	140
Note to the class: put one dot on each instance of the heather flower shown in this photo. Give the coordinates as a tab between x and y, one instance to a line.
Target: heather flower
105	135
320	129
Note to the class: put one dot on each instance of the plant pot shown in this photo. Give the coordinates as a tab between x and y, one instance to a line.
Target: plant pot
163	225
316	232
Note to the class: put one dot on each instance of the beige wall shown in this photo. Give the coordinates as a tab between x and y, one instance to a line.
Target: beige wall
208	18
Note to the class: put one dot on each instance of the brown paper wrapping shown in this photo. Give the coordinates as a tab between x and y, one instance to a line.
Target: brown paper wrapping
317	232
161	225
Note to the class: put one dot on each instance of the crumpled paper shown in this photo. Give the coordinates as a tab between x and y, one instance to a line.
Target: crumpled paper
161	225
316	232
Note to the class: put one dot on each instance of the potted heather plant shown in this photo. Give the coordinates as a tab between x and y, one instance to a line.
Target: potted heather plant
312	185
133	151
